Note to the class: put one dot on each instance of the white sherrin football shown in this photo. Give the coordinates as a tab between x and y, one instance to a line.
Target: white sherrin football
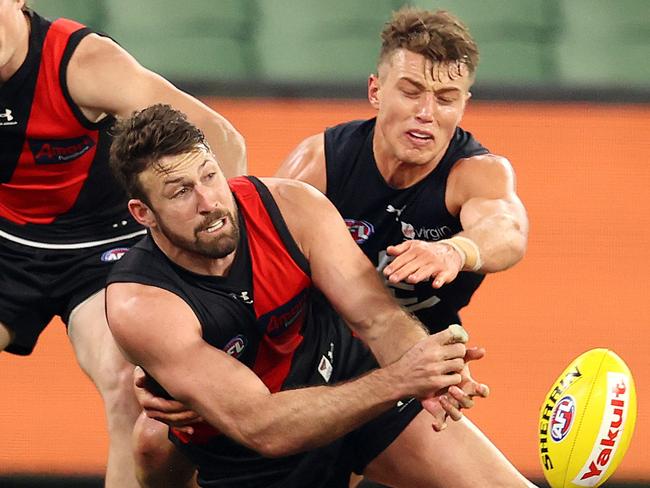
587	420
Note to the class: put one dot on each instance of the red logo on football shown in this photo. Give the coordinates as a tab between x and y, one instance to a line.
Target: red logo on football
562	418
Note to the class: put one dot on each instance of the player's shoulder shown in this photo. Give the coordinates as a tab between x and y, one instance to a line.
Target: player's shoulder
290	190
95	52
488	163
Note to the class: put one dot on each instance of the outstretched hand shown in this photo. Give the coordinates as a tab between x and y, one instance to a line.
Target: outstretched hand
165	410
450	402
416	261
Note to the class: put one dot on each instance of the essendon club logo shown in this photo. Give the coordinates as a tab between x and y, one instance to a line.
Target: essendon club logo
54	151
360	230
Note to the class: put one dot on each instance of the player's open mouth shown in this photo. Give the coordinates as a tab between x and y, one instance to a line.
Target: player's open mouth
419	137
216	225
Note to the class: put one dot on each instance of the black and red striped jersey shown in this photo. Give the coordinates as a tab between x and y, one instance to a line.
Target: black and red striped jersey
257	312
55	182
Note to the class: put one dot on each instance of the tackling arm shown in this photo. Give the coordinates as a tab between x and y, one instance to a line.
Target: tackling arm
157	330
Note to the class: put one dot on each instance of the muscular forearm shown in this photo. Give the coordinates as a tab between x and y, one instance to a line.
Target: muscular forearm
291	421
501	241
389	335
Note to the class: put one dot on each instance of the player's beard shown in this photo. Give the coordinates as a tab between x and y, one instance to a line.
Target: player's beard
217	247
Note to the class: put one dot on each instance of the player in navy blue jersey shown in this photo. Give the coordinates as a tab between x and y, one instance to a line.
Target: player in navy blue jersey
63	218
429	205
231	305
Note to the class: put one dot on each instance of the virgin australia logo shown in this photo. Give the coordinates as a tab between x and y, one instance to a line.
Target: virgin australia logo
422	233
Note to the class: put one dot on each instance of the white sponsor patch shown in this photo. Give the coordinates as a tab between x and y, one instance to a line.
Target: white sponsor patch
325	369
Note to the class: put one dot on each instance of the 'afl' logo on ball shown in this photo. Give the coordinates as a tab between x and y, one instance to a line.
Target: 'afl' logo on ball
562	418
360	230
114	254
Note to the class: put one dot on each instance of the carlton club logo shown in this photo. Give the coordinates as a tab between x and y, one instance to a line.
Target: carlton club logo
562	418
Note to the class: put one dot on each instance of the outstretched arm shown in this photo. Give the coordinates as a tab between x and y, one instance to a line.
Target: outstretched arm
104	79
157	330
482	191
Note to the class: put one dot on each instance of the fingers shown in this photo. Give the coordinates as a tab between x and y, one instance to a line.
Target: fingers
438	414
418	261
401	267
178	420
475	389
151	402
398	249
454	334
474	353
139	377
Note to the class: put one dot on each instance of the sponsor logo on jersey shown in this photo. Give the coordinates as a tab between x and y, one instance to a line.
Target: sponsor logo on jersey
360	230
6	117
243	297
57	151
290	315
113	254
422	233
562	418
611	429
325	368
235	346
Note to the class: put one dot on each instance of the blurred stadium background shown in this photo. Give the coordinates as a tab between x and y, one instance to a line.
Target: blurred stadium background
563	90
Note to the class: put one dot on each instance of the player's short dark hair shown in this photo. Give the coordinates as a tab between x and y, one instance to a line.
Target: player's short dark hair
440	36
140	141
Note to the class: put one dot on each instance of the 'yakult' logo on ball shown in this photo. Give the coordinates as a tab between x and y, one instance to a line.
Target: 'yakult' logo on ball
611	430
562	418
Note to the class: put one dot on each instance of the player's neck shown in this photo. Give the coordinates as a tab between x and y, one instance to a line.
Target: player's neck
19	55
398	173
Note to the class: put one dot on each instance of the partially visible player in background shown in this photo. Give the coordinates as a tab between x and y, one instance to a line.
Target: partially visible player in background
429	205
63	218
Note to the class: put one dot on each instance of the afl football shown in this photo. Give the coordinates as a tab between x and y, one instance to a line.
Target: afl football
587	420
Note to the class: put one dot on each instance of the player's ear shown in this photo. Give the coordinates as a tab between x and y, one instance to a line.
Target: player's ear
373	90
141	212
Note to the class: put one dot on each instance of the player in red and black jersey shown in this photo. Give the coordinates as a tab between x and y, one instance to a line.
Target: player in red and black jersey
63	218
221	306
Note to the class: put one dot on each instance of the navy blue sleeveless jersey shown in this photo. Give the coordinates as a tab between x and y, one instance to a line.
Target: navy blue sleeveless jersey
379	215
288	335
55	183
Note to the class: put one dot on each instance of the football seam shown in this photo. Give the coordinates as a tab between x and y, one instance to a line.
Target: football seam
584	412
